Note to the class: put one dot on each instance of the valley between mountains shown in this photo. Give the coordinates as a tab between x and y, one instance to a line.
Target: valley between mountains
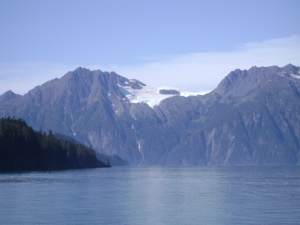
251	118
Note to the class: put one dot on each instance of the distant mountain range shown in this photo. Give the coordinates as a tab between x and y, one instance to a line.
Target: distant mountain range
251	118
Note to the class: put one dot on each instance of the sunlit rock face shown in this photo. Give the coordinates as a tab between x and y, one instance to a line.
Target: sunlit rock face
251	118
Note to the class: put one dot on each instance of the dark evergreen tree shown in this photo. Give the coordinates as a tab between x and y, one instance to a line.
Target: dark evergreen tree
22	148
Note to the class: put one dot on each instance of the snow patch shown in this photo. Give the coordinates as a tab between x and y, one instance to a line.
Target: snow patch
139	144
151	96
74	133
132	127
296	76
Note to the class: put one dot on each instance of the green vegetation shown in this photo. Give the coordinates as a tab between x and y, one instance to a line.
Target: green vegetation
22	148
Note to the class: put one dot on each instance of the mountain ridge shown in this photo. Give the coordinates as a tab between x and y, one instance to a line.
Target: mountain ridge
227	126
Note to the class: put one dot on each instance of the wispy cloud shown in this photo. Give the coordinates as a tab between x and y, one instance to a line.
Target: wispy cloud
199	71
204	70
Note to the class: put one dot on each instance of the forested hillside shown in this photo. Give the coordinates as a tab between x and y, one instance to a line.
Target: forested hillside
22	148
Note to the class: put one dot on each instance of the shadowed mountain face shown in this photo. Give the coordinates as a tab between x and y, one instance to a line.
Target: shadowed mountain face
251	118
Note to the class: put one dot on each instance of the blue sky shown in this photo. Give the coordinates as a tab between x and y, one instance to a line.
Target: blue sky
189	44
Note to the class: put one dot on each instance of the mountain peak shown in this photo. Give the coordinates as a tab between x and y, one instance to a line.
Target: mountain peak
8	95
240	82
9	92
80	69
290	68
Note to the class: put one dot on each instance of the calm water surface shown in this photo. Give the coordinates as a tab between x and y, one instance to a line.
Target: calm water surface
147	195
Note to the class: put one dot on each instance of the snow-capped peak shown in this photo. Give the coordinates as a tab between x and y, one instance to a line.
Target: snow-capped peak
154	95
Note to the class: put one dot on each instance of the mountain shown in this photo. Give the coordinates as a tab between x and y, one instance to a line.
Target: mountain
109	159
251	118
8	96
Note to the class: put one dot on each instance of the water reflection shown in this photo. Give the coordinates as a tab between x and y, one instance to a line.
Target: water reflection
126	195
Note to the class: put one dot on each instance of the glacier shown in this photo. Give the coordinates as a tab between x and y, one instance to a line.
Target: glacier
152	96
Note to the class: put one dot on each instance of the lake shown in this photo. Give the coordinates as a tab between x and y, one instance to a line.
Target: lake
152	195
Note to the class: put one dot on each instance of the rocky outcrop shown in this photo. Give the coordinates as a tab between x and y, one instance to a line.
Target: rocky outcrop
169	92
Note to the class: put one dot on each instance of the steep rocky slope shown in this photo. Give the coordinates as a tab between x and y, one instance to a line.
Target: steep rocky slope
251	118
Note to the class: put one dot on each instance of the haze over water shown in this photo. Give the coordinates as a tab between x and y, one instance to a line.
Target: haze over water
150	195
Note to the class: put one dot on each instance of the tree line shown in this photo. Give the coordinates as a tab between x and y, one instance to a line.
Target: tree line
22	148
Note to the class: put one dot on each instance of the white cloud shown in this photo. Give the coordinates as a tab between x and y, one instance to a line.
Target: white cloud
195	71
203	71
